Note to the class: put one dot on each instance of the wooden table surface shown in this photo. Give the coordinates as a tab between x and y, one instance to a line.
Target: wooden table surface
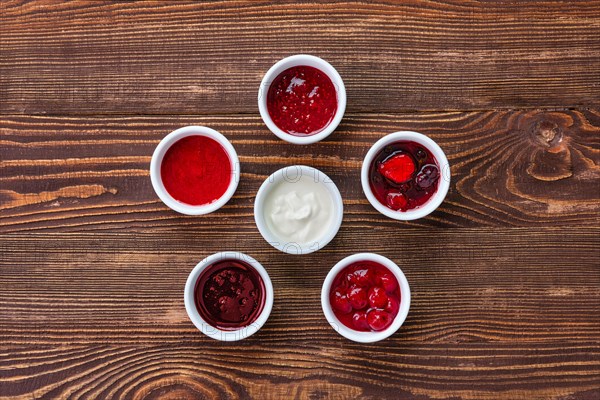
505	274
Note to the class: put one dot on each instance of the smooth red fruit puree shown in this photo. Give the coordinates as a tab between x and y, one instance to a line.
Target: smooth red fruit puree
404	175
365	296
196	170
302	100
229	294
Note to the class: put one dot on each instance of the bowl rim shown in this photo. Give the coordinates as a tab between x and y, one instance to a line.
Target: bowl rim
292	247
435	200
157	158
293	61
205	327
359	336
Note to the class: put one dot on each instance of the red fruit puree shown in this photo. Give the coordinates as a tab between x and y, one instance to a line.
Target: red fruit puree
365	296
229	294
404	175
196	170
302	100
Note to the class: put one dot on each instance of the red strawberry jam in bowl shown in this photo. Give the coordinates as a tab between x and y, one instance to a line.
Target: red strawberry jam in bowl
365	297
228	296
302	99
405	175
194	170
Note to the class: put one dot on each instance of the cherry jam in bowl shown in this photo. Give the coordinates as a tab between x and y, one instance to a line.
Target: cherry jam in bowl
405	175
228	296
365	297
302	99
195	170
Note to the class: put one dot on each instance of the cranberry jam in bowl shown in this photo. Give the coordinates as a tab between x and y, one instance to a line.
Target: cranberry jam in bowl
195	170
405	175
365	297
302	99
228	296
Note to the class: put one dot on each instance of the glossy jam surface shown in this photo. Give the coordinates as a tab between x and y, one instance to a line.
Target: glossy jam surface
404	175
302	100
365	296
196	170
230	294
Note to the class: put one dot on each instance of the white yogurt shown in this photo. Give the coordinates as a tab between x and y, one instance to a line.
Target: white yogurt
299	210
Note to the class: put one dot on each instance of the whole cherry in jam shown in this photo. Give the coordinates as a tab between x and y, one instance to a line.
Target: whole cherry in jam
378	320
377	297
357	296
229	294
365	296
404	175
392	306
302	100
398	168
359	321
340	302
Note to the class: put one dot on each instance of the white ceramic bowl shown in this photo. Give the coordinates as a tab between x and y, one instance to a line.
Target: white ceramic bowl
444	180
358	336
291	174
206	328
293	61
157	158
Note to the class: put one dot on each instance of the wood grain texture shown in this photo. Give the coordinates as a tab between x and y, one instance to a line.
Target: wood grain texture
99	57
508	169
505	275
400	371
468	285
504	319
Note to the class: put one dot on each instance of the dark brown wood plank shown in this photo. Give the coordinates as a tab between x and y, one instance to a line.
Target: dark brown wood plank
505	275
204	58
512	285
509	169
382	371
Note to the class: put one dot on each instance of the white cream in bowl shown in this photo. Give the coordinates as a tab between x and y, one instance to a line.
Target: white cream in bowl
298	209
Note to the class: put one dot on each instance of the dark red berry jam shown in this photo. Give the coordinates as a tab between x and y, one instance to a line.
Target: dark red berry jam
229	294
404	175
365	296
196	170
302	100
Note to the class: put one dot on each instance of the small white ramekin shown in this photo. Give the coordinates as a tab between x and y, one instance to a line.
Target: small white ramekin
293	173
206	328
444	180
359	336
157	158
294	61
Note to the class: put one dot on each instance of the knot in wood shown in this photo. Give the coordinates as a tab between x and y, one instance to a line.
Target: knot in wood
548	133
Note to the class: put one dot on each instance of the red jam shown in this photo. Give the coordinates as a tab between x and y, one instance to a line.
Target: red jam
302	100
229	294
365	296
196	170
404	175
